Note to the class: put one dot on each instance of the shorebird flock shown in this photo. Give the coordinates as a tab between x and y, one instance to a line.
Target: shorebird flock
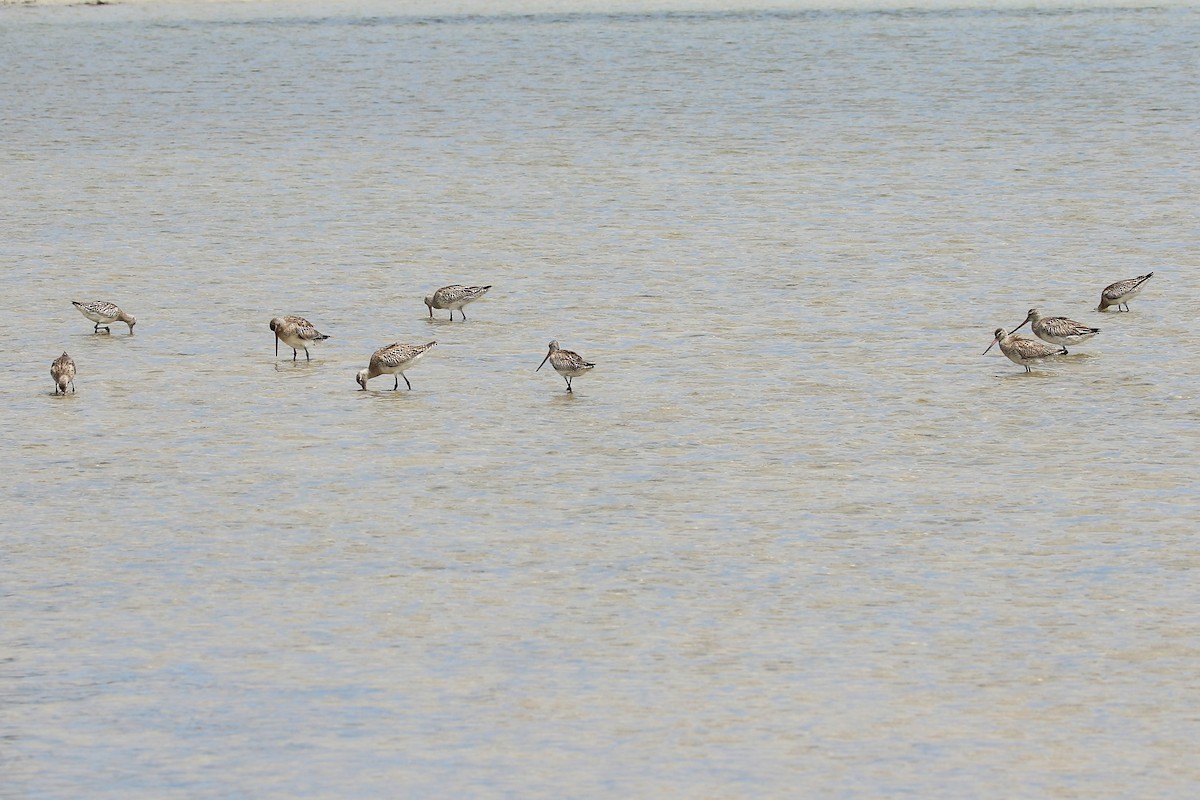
1061	331
299	334
396	358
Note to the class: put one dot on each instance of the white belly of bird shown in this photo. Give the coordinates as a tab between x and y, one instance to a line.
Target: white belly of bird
1076	338
1017	357
103	319
571	372
403	365
296	342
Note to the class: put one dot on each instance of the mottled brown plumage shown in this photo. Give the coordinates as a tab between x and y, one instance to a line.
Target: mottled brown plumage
566	363
393	360
1022	351
62	370
103	313
1057	330
1120	293
297	333
454	298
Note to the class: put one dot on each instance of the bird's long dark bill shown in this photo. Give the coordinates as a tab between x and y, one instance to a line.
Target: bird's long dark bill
990	346
1022	325
544	360
276	346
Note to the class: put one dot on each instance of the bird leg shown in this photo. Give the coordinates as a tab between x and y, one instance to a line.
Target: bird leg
406	383
307	357
397	386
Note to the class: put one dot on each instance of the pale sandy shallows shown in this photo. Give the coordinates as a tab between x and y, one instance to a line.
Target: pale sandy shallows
438	7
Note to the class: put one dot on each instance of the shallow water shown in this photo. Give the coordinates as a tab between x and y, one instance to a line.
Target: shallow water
794	536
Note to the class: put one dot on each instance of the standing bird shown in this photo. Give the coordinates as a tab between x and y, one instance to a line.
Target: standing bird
565	363
1057	330
1022	351
297	333
1120	293
454	298
105	314
62	369
393	360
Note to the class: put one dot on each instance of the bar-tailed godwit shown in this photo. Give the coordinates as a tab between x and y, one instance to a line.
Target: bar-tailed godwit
1057	330
62	369
1120	293
1022	351
565	363
454	298
105	314
393	360
297	333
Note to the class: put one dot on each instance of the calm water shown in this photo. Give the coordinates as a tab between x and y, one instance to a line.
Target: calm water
793	537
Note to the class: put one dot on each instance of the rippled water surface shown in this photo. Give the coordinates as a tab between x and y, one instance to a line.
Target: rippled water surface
793	536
